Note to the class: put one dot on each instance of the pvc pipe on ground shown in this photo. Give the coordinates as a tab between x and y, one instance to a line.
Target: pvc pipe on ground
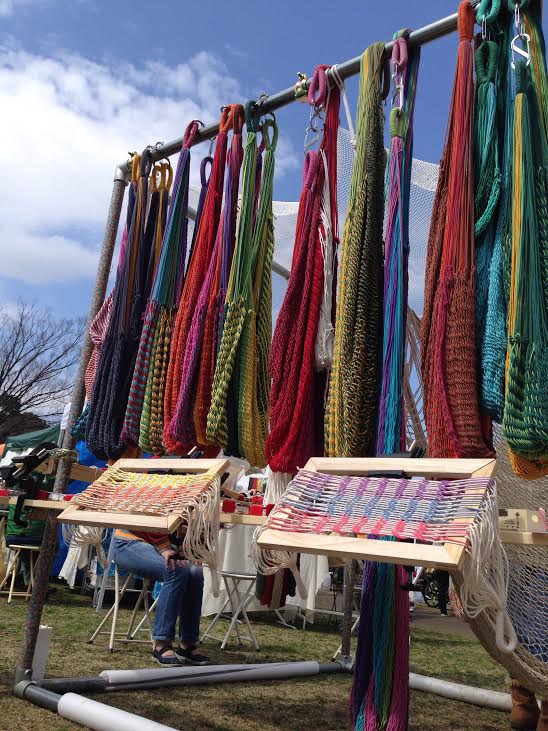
115	677
267	671
100	717
458	692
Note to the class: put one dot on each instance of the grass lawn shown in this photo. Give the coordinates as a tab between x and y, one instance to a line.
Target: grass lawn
295	705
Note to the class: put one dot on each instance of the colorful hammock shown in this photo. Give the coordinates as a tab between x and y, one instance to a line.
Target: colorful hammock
248	297
391	427
354	386
119	351
298	385
143	423
448	334
197	270
525	420
199	358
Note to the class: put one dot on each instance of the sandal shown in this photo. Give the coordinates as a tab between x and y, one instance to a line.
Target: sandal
170	661
190	657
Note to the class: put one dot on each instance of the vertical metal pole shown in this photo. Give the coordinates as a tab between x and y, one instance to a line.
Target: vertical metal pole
49	540
348	606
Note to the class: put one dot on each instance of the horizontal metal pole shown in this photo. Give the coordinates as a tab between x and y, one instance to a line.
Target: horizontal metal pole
418	37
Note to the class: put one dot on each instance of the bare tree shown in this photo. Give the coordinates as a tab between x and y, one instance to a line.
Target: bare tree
38	354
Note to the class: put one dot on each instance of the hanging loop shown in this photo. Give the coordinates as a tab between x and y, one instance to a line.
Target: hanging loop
238	119
169	175
191	132
317	89
146	162
204	179
270	141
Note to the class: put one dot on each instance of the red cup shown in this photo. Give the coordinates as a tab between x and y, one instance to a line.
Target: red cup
42	495
229	506
255	509
68	497
269	508
4	493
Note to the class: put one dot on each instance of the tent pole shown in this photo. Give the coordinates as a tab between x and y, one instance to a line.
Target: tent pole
49	541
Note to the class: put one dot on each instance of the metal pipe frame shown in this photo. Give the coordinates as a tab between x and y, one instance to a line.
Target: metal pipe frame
272	102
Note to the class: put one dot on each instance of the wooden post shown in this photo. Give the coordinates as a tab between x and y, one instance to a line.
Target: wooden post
49	540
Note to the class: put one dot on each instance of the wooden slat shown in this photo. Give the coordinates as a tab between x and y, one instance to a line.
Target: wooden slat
39	504
410	554
525	539
63	505
446	468
129	521
77	471
242	519
184	466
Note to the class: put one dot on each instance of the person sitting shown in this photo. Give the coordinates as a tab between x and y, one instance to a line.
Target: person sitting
152	556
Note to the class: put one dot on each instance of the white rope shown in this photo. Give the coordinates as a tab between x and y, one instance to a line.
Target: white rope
276	484
334	71
326	332
85	535
485	575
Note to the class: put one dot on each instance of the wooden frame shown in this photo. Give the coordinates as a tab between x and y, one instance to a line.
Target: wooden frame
448	556
74	514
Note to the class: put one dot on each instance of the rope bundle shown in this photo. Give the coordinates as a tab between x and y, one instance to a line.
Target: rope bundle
380	689
494	96
525	419
144	416
298	385
119	351
391	431
354	387
237	377
197	270
448	337
199	356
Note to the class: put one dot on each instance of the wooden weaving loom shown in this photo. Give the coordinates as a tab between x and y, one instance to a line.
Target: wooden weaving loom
448	556
165	521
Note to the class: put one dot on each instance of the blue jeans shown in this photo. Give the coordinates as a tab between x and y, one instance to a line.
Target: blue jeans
181	593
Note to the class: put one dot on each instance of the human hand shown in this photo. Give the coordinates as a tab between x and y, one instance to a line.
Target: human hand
172	558
169	556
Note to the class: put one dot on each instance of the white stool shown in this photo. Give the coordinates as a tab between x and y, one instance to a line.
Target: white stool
16	550
238	602
130	634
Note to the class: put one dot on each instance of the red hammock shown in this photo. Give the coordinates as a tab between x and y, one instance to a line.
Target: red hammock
448	335
298	389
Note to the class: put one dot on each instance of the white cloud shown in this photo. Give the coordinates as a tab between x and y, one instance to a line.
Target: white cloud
8	7
66	121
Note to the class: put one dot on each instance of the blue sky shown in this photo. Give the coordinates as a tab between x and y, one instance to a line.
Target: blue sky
82	82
